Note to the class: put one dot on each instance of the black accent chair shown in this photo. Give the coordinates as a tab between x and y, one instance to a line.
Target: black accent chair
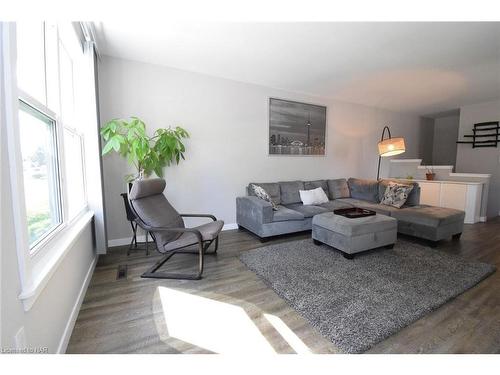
157	216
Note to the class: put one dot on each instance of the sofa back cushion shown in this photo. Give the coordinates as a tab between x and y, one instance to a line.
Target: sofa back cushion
364	189
272	188
413	197
338	188
310	185
289	191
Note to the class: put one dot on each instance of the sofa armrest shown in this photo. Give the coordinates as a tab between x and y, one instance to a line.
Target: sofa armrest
253	209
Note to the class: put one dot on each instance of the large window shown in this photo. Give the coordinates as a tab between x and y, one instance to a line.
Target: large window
52	147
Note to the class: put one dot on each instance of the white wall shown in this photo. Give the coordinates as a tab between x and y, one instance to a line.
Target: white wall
228	122
46	322
483	159
445	137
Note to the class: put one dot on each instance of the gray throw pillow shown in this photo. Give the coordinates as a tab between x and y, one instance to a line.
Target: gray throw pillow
396	194
262	194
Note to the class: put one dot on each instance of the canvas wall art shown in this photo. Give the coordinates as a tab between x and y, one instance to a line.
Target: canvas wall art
296	128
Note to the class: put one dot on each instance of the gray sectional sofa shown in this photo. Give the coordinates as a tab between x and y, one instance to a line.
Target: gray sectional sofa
257	216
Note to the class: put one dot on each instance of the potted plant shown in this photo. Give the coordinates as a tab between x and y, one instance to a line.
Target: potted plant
147	154
429	175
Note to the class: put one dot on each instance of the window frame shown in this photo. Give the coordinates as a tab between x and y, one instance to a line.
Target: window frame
45	239
85	206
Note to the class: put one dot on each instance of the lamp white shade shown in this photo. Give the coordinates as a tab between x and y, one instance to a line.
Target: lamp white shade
391	146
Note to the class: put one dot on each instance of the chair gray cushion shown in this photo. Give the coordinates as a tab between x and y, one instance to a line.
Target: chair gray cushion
429	215
156	211
413	197
272	188
364	189
286	214
310	185
208	232
145	188
335	204
290	191
338	188
307	210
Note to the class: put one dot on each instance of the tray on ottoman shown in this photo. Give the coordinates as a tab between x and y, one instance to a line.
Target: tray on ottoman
354	212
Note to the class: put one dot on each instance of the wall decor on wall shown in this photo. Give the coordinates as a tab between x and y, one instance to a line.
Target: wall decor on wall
296	128
484	134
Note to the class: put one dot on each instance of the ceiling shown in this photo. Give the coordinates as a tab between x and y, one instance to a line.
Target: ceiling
419	68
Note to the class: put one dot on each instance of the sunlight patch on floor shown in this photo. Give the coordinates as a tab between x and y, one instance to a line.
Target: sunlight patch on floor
290	337
213	325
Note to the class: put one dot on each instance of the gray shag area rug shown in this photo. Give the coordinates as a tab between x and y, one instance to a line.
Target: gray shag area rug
357	303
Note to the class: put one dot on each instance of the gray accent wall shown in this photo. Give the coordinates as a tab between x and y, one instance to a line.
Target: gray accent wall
481	160
444	140
426	140
228	148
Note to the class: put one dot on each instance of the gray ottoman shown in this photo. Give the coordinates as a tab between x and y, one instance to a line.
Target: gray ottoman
352	236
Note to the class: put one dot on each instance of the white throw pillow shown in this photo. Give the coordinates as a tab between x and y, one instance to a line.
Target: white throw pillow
314	196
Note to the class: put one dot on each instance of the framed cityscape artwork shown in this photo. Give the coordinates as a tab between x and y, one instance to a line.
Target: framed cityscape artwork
296	128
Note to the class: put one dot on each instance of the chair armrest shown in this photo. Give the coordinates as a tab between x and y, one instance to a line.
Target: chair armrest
253	209
199	215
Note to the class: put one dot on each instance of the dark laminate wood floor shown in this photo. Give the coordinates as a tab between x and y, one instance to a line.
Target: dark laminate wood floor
232	310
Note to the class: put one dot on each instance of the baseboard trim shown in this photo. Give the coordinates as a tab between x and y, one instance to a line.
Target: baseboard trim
68	330
142	237
230	226
482	219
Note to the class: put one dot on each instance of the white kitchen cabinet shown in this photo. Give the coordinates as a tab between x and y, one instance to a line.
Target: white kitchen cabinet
430	193
465	196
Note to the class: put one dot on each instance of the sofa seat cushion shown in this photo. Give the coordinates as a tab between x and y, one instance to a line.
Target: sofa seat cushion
286	214
289	191
272	188
307	211
366	190
335	204
338	188
429	215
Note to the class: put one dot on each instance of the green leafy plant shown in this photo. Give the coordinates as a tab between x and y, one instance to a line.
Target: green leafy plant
146	154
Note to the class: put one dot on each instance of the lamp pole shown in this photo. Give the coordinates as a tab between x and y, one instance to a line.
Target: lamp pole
308	129
381	139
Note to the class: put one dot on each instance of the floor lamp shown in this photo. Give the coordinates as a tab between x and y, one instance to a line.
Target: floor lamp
389	147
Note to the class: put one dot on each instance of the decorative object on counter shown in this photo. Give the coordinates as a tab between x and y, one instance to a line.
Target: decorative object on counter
429	174
484	134
389	147
296	128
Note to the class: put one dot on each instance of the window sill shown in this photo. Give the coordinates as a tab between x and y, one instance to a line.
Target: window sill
46	269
